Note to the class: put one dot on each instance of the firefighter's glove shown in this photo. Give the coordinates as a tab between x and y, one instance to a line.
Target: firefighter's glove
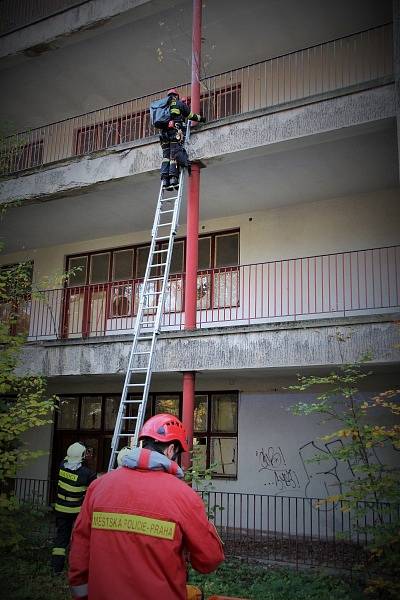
179	136
171	124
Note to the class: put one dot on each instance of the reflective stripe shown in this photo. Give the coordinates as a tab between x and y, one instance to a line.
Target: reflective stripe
66	475
175	111
58	552
134	524
68	498
67	509
72	488
79	590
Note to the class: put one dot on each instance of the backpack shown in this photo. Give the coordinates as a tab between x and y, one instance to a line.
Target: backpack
159	113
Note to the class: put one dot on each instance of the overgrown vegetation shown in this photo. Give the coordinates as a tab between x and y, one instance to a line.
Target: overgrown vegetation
28	575
364	428
24	402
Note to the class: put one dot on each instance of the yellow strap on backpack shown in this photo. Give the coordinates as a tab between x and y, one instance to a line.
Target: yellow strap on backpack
193	593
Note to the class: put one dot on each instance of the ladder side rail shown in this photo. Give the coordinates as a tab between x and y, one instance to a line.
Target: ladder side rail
156	326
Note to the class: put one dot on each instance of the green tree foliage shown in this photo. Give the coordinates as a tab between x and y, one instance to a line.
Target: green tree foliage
24	402
365	426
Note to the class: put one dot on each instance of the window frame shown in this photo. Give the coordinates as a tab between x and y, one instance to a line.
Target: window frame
102	434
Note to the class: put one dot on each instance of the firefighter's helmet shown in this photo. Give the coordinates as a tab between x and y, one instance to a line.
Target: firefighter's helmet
165	428
173	92
76	452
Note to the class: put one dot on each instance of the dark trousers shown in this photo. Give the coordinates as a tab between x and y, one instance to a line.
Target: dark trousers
64	525
170	145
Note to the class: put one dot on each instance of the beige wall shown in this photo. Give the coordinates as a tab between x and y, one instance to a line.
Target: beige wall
340	224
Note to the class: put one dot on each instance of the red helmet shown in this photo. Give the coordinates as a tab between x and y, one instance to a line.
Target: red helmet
165	428
172	92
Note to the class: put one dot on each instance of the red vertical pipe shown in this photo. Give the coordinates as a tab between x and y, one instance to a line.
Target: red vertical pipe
189	379
192	235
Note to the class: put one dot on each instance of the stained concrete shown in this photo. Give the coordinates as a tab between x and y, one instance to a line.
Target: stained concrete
277	346
268	131
88	15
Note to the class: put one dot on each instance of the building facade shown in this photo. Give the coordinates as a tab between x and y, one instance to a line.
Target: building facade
299	217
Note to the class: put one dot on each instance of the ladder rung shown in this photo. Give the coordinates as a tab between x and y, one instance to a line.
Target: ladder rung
163	237
164	224
138	370
135	384
121	435
164	212
155	278
159	251
169	199
151	294
128	418
132	401
144	352
157	265
144	338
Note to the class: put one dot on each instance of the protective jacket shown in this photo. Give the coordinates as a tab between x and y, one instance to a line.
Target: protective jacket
180	111
135	526
71	488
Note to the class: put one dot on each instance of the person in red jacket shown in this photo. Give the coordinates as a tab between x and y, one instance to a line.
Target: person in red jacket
140	522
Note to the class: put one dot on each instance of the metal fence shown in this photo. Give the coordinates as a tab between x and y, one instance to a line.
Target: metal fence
341	284
364	58
16	14
282	529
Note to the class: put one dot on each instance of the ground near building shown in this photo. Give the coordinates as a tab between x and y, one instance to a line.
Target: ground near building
25	575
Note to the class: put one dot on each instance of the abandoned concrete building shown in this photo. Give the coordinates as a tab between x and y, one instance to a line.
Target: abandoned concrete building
299	220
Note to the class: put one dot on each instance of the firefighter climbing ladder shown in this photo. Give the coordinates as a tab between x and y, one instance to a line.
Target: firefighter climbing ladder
148	320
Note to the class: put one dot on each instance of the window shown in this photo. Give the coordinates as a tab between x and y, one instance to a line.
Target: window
116	131
113	293
68	413
90	418
27	156
216	428
220	288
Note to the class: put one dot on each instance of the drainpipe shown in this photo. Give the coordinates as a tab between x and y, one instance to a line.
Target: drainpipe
192	236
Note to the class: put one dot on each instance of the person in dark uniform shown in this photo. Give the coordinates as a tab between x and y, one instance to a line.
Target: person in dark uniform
173	137
73	480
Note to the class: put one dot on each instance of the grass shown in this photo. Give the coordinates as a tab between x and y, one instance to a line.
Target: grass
235	578
25	575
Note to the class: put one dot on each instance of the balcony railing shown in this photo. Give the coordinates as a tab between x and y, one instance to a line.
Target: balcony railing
16	14
341	284
284	529
361	59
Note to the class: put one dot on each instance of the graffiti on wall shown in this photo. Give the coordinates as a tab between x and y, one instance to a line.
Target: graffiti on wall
327	476
279	475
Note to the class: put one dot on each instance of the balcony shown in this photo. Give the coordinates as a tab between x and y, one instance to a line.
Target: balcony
361	282
333	68
16	14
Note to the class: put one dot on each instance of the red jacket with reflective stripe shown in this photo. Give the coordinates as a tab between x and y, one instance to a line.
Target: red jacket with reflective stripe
118	564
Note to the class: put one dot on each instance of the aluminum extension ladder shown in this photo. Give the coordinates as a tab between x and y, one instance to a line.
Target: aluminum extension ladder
148	319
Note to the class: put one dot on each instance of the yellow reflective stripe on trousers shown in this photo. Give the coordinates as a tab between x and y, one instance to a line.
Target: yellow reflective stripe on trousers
58	552
72	488
68	498
67	509
175	111
134	524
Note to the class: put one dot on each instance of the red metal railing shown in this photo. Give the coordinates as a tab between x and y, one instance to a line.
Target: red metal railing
361	58
345	283
16	14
